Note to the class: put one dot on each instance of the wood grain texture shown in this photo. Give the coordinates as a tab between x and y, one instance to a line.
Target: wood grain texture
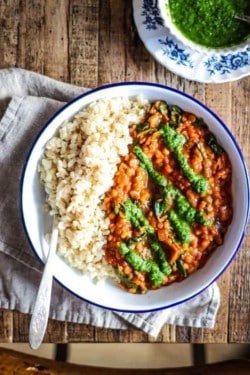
239	289
95	42
83	42
6	326
56	51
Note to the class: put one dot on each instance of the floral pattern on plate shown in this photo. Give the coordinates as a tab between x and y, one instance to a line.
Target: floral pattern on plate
181	60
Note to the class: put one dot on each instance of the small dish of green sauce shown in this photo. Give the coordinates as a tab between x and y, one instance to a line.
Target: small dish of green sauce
211	23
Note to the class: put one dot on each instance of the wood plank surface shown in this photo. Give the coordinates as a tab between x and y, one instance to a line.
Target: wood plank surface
95	42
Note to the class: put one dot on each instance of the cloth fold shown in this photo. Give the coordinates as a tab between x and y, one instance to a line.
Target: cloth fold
27	101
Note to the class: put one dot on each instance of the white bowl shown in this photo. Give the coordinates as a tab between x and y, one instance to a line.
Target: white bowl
167	21
106	294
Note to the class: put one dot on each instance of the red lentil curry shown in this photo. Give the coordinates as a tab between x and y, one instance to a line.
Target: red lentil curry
170	204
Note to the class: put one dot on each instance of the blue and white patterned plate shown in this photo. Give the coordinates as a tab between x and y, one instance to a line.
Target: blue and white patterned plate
181	60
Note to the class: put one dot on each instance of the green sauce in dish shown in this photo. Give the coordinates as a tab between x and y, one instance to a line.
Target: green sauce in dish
174	142
211	23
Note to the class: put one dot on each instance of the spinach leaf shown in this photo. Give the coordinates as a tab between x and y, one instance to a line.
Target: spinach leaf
213	144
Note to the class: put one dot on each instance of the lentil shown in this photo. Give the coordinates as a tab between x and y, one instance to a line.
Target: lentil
164	229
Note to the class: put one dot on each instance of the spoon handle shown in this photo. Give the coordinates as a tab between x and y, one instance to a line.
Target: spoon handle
242	18
40	313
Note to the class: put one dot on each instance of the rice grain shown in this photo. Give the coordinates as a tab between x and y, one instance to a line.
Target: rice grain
77	169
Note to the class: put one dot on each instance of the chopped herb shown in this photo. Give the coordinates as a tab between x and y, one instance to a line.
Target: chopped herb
174	141
135	215
131	211
124	279
200	123
136	239
147	131
175	110
142	265
171	138
184	209
181	227
172	197
159	208
163	108
147	164
198	182
213	144
175	114
160	255
180	267
142	127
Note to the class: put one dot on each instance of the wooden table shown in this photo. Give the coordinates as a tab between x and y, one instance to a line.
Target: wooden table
95	42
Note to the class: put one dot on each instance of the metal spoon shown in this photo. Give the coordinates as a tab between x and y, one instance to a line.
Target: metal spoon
242	18
40	314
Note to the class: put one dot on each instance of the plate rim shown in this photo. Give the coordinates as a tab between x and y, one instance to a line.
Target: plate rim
168	63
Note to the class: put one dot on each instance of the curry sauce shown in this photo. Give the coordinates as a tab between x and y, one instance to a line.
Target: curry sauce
171	202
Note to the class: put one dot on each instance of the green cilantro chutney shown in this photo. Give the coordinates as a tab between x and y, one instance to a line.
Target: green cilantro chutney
211	23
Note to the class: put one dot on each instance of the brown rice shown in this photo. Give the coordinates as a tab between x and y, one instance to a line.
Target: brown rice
77	169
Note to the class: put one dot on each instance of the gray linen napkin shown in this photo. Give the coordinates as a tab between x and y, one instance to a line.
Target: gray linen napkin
27	101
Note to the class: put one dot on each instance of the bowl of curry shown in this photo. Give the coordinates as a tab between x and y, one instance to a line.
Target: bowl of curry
207	26
177	207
